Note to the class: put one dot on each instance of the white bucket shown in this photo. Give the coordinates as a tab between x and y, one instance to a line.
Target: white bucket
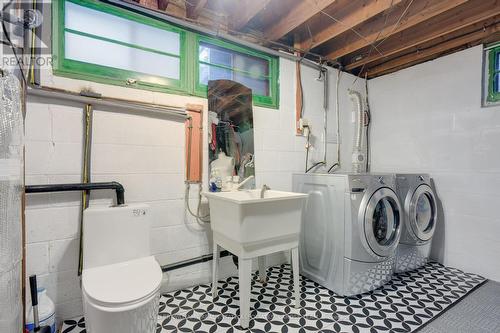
46	312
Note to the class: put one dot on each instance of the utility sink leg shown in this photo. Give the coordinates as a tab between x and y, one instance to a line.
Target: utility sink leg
262	269
296	277
215	270
245	277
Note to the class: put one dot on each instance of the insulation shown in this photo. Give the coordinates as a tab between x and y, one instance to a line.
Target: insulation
11	189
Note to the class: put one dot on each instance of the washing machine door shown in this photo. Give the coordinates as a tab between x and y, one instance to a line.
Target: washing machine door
382	221
422	212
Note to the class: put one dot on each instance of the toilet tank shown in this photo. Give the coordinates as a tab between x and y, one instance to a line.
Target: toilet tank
115	234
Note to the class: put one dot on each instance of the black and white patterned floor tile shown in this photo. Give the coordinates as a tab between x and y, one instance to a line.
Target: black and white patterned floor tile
406	303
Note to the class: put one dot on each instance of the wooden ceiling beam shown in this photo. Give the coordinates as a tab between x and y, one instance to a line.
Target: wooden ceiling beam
245	11
418	12
434	50
194	7
163	4
471	13
347	17
298	15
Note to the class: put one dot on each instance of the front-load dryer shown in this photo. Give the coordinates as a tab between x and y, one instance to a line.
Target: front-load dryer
419	220
350	230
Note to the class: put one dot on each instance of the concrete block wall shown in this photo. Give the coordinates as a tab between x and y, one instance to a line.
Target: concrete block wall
146	154
429	118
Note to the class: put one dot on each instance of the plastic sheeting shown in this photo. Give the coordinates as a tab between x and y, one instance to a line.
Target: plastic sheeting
11	187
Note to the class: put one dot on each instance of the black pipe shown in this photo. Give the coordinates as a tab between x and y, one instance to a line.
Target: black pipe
120	191
193	261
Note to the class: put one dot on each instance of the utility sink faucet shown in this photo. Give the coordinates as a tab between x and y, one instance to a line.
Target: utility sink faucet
263	190
244	181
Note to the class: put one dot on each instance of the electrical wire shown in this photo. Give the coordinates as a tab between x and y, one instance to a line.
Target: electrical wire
388	35
7	36
307	169
397	23
333	166
315	165
352	29
7	5
257	38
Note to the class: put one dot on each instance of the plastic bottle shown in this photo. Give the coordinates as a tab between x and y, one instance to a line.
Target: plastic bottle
46	311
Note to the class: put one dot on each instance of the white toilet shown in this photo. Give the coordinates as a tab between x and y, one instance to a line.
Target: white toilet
120	280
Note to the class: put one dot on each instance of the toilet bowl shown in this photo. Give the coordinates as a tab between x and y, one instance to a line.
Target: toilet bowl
120	280
122	297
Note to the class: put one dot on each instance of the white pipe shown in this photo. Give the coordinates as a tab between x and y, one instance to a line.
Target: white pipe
337	112
325	110
128	105
358	156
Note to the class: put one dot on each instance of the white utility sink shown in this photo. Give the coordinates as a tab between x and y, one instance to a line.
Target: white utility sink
251	227
245	217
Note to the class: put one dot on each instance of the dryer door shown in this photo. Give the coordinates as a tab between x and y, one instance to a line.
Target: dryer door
422	212
382	221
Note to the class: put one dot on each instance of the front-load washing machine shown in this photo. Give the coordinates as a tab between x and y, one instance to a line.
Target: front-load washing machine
350	230
419	220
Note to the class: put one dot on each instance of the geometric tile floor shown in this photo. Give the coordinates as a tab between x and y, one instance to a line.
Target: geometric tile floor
408	302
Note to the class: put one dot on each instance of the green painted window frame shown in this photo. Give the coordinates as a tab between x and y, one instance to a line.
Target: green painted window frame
188	84
108	75
273	63
493	75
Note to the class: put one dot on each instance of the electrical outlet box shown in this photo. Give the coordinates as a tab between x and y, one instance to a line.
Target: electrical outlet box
304	126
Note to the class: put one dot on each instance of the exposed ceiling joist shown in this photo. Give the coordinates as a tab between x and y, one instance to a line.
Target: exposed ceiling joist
471	13
193	8
245	11
163	4
372	36
350	15
432	51
302	12
412	12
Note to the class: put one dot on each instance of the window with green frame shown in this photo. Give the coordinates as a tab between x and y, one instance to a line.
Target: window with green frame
494	74
221	60
100	42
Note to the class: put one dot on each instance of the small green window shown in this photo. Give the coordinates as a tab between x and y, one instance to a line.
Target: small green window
494	75
102	43
221	60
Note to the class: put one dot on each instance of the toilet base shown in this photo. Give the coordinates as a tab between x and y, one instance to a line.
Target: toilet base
140	317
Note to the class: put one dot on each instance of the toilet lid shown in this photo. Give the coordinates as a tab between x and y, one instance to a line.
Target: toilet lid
125	282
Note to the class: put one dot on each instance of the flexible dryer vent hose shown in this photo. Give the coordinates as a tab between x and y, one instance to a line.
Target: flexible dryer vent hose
358	156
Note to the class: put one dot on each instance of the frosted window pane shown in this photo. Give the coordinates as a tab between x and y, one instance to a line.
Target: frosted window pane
103	53
113	27
222	56
208	72
256	66
259	87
